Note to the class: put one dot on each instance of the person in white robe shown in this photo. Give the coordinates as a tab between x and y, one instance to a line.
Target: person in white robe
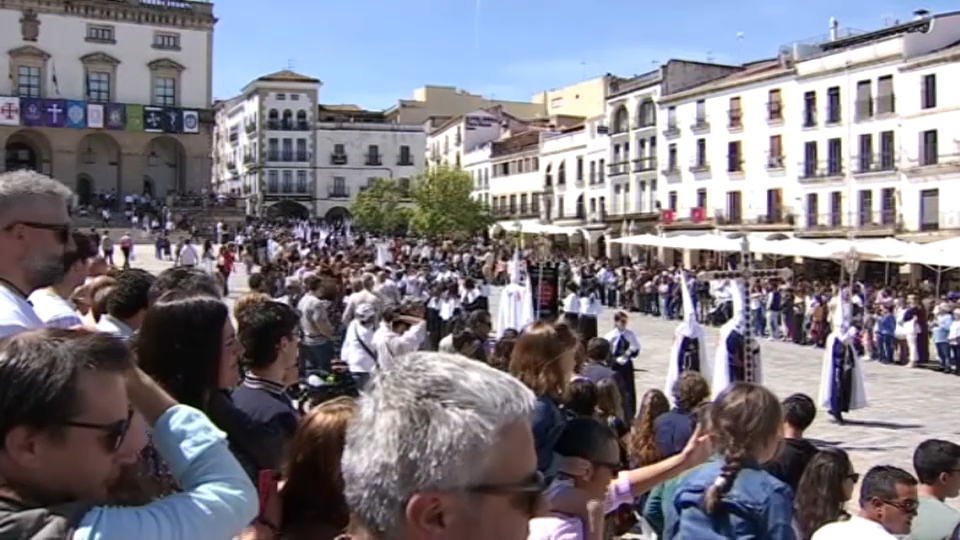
842	387
689	350
730	363
516	301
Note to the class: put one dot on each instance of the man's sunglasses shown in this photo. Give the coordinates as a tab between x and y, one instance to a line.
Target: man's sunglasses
62	230
528	491
115	432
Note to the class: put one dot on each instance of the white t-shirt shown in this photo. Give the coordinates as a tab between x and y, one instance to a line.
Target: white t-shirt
16	314
188	255
357	357
54	310
854	528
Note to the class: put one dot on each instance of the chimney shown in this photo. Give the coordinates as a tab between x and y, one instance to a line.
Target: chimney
834	29
921	14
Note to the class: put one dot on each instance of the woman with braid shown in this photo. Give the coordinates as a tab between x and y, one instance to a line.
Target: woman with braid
732	497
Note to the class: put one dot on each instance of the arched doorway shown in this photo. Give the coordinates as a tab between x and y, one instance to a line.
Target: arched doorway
288	210
84	190
98	162
28	149
166	166
602	247
337	214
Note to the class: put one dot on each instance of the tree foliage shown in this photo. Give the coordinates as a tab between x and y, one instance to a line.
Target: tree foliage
443	205
379	208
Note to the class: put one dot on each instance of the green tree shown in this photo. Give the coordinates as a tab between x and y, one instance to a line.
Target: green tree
379	209
443	205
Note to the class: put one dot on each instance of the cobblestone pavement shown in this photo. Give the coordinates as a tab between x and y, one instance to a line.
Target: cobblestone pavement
906	406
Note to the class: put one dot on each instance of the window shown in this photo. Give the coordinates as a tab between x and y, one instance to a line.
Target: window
165	91
864	103
281	97
865	160
701	159
648	114
671	118
338	149
810	159
836	209
562	173
701	111
929	154
273	149
888	206
865	206
593	172
833	105
302	182
735	113
809	109
29	80
294	97
302	150
775	152
287	154
373	155
339	186
672	157
775	205
302	124
834	156
601	171
885	97
98	86
287	185
273	182
164	40
928	94
813	210
405	156
774	106
734	206
672	200
579	169
702	198
734	156
100	34
887	151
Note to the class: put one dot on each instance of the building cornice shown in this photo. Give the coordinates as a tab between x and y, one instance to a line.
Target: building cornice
866	64
716	87
936	59
182	14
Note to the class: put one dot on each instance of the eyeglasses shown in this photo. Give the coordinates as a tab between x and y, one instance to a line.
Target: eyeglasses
115	432
528	491
854	477
62	230
908	506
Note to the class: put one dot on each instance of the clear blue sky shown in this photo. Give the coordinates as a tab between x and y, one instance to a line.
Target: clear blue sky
373	52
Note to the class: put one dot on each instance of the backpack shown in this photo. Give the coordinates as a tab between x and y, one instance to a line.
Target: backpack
18	521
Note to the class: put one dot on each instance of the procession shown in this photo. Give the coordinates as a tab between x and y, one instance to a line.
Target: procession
718	298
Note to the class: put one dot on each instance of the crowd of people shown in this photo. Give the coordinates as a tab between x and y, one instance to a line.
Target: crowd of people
143	406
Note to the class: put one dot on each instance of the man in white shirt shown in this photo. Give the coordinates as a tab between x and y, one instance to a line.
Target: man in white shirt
888	504
363	296
187	256
52	304
404	335
34	235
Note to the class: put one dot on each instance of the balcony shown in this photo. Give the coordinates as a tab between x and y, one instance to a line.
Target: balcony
700	124
874	163
865	220
405	160
929	161
886	105
249	158
776	161
250	127
735	119
730	216
289	188
774	113
672	130
338	192
813	171
863	109
809	118
338	159
645	164
618	168
834	116
373	160
671	170
699	165
735	165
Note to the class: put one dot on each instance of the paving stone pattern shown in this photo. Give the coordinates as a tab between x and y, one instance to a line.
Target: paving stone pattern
907	406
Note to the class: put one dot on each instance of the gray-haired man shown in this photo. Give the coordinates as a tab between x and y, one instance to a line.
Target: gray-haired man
441	448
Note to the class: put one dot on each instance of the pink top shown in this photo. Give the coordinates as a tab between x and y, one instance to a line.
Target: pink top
566	527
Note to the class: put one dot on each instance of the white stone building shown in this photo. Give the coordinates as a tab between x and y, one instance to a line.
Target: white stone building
108	96
290	155
450	140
